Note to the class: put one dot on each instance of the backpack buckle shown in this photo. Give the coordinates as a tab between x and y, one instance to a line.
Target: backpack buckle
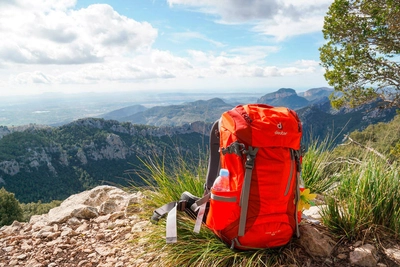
181	205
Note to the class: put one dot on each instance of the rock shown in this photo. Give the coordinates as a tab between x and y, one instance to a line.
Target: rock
357	244
314	242
364	256
74	234
394	254
314	212
86	205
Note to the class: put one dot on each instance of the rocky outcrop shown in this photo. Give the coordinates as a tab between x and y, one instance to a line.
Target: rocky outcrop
93	228
284	97
111	148
10	167
281	93
4	131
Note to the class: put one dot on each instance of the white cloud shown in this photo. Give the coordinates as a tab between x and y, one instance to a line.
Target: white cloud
233	10
185	36
50	32
307	63
49	43
278	18
32	78
95	73
245	62
166	58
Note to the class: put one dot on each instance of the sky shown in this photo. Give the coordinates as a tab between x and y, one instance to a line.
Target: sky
73	46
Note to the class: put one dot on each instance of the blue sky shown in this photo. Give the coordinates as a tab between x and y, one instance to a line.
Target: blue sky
74	46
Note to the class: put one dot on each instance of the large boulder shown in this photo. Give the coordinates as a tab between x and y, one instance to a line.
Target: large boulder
100	200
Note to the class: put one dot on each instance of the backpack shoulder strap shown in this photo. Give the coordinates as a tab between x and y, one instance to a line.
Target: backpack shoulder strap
213	161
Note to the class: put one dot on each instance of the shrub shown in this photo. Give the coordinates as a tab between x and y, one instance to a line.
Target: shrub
37	208
10	209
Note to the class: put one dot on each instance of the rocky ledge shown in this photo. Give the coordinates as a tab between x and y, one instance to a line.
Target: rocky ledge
93	228
102	227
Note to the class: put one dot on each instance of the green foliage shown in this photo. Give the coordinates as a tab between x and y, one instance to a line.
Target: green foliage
10	209
361	55
365	200
38	208
33	149
318	167
16	145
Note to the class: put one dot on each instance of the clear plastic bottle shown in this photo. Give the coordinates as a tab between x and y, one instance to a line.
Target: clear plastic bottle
221	184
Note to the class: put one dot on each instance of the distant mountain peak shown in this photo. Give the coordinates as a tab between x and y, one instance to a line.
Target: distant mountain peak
281	93
286	97
316	94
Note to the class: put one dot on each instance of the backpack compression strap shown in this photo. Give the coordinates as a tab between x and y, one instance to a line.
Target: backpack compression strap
239	149
244	199
170	209
189	203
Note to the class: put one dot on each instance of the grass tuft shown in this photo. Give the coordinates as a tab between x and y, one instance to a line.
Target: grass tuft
318	167
366	198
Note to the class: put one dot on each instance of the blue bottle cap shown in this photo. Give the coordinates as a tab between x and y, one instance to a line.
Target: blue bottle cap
223	172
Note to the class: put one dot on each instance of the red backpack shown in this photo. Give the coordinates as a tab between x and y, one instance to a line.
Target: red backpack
260	147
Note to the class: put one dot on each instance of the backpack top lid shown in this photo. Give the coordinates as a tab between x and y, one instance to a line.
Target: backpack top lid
262	125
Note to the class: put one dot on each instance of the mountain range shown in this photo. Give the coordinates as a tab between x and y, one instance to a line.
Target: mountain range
313	106
210	110
45	163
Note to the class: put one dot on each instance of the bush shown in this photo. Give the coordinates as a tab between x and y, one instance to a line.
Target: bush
10	209
38	208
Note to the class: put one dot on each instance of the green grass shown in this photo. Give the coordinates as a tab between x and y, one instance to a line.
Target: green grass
318	167
166	184
362	197
366	200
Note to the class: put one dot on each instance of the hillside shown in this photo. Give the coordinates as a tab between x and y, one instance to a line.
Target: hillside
177	115
285	97
318	117
321	120
123	112
315	94
210	110
52	163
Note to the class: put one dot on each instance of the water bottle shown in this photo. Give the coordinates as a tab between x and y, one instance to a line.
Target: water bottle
221	184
